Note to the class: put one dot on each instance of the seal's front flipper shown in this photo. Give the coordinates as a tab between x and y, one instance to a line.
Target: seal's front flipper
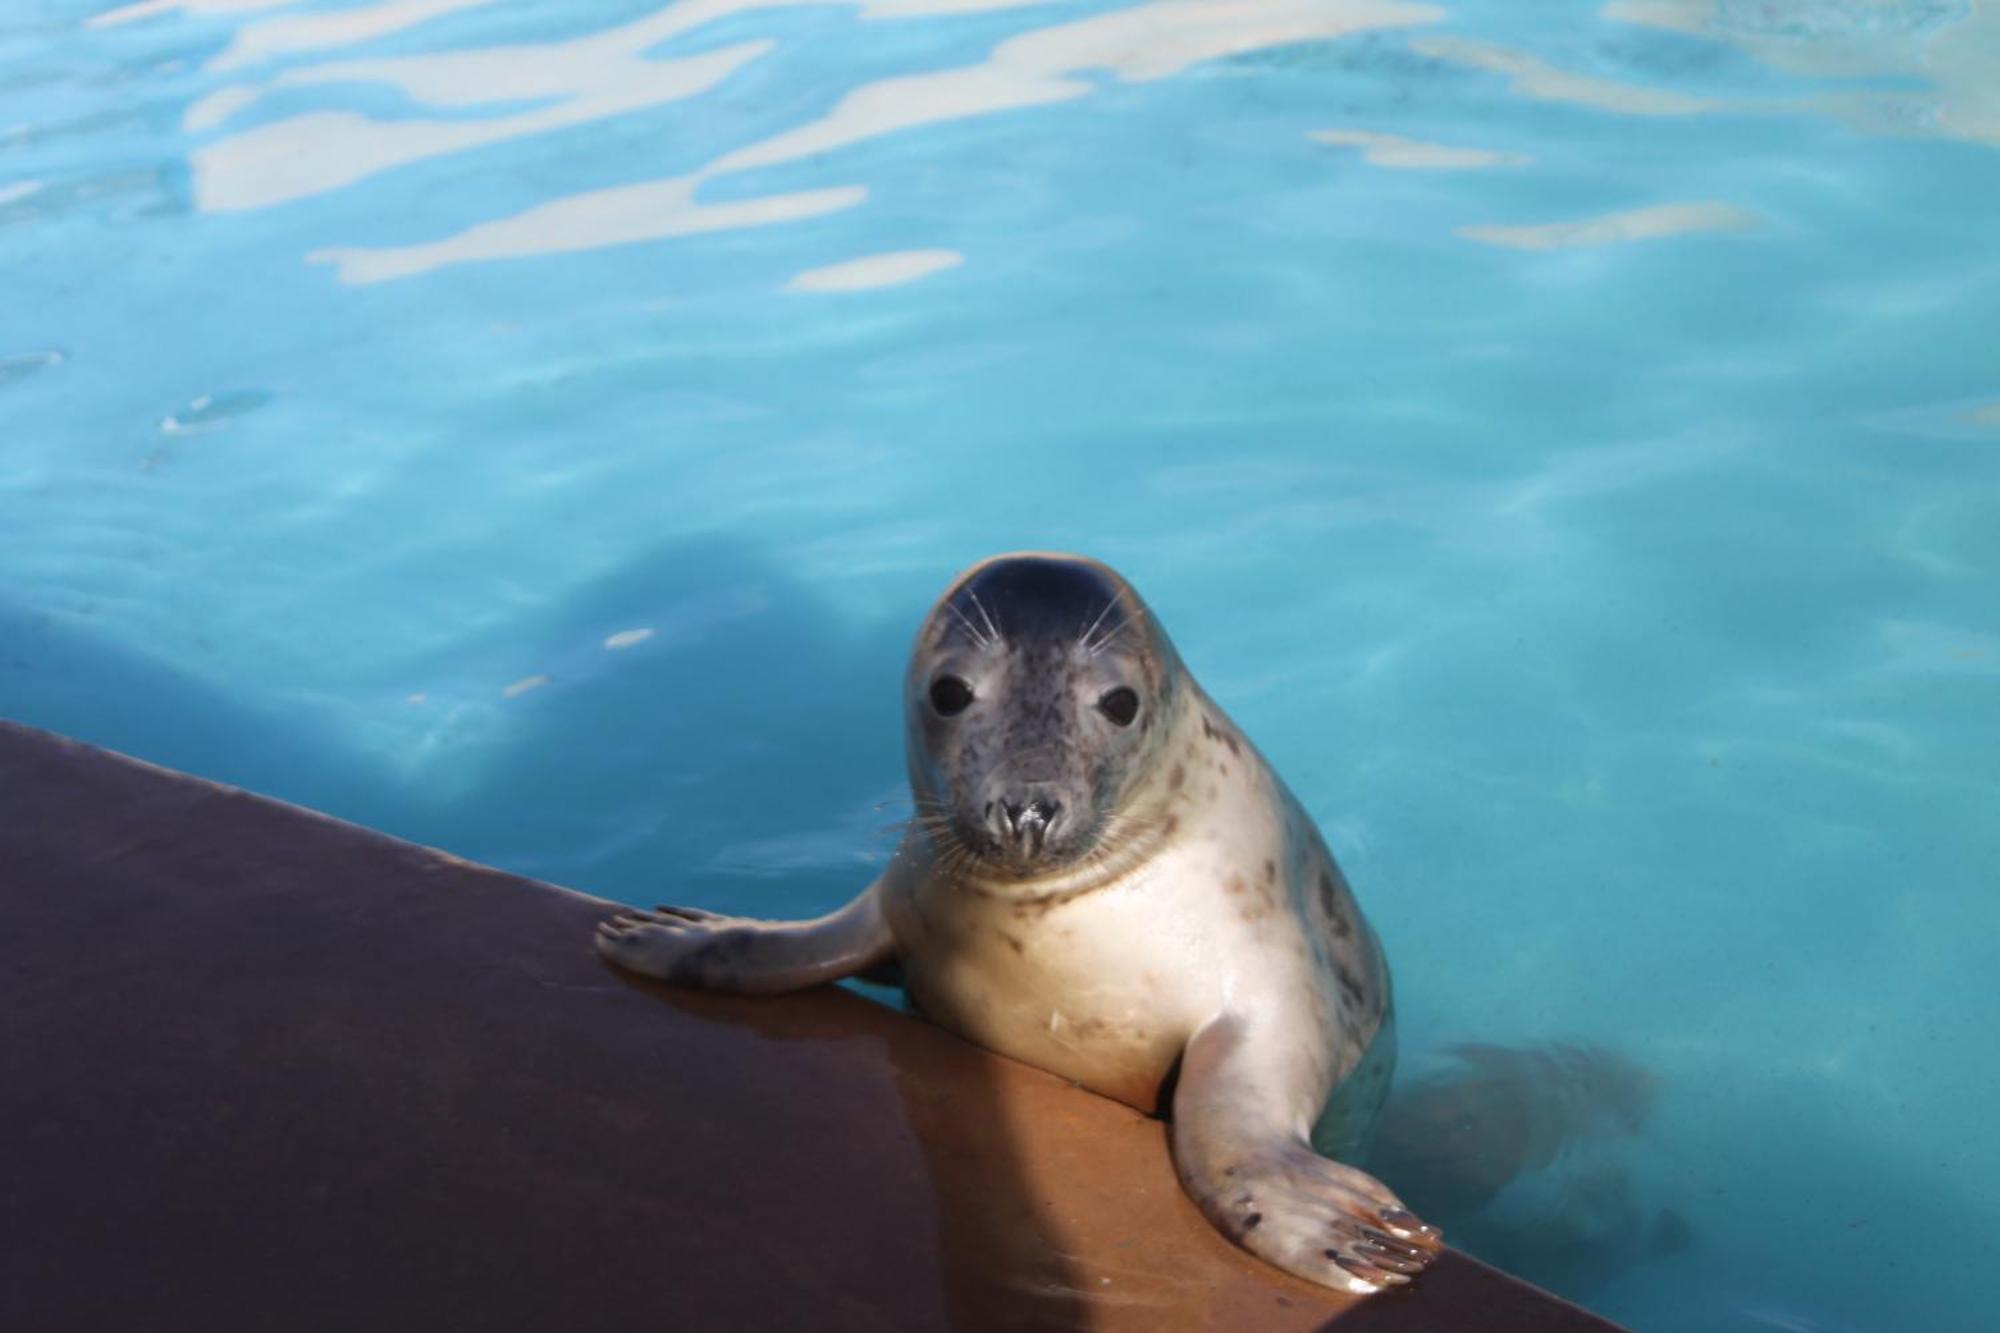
691	947
1241	1111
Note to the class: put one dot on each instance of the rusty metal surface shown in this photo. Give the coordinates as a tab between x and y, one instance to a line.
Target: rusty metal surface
260	1069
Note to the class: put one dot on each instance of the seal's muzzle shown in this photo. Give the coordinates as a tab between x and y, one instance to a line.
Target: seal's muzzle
1023	827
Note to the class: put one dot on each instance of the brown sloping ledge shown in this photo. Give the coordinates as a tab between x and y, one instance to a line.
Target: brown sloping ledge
261	1069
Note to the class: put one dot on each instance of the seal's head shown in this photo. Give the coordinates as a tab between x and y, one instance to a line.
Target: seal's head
1038	693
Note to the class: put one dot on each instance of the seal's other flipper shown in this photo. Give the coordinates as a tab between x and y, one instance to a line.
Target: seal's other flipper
692	947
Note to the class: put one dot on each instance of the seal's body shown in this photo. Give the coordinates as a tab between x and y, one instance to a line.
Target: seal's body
1105	879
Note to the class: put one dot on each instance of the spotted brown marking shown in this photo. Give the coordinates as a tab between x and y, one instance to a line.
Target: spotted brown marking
1270	871
1235	884
1013	942
1329	901
1350	986
1177	777
1220	734
1172	822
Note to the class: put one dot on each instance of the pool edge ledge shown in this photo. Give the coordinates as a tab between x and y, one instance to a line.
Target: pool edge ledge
262	1062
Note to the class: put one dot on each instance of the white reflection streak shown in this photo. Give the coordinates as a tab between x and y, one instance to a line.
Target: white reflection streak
324	150
583	79
1147	41
904	102
618	216
1640	224
205	113
595	76
342	27
1532	77
874	271
148	8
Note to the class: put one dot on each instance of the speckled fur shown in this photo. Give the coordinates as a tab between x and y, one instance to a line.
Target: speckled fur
1183	918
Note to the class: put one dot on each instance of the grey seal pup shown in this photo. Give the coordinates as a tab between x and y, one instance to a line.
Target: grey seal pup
1104	878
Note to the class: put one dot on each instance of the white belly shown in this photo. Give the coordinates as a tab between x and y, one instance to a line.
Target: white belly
1105	989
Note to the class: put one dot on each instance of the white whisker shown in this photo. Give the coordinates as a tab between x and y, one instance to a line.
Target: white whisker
1109	637
1083	639
970	628
998	637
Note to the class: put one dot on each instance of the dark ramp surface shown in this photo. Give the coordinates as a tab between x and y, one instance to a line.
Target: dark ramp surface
260	1069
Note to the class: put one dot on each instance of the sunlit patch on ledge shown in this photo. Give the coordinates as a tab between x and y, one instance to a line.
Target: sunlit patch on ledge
1392	150
1534	78
1639	224
871	271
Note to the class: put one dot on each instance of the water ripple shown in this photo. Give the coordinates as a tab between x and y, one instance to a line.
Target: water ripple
1140	43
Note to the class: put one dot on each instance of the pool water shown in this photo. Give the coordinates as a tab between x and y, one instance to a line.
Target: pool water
1565	436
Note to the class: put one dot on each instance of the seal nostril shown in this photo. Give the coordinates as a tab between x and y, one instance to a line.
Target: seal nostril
1029	820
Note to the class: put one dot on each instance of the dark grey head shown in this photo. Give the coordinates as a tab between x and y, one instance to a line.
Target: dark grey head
1038	691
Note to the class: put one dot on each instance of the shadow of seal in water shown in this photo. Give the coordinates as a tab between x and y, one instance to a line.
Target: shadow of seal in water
1523	1155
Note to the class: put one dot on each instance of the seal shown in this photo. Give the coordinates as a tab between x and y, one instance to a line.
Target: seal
1104	878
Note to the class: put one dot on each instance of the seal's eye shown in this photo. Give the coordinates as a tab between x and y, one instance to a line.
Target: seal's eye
1120	705
950	695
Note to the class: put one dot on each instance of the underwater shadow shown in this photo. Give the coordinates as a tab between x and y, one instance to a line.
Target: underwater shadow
57	674
743	752
695	727
1524	1156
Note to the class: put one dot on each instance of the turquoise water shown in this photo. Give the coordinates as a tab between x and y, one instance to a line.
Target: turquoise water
1565	436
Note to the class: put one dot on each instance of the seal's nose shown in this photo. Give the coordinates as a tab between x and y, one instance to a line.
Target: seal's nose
1028	822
